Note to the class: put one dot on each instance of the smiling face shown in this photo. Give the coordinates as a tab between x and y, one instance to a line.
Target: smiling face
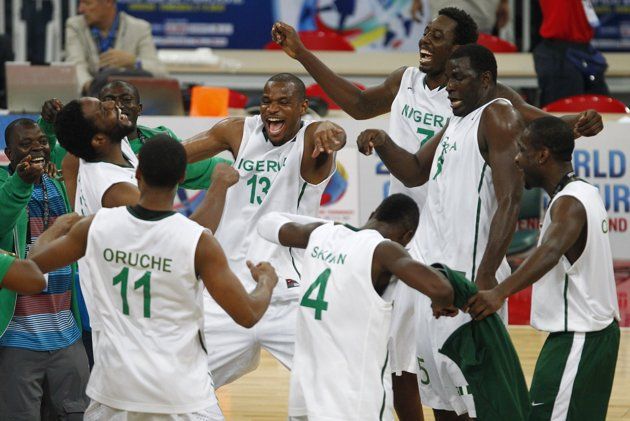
106	117
28	139
125	97
281	110
437	45
465	87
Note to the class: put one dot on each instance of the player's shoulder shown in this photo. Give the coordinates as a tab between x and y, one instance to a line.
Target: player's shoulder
77	21
501	110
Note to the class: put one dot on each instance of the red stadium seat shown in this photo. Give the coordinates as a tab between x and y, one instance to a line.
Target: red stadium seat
237	99
319	40
579	103
315	90
496	44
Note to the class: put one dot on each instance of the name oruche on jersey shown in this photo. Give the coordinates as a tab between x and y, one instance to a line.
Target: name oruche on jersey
149	354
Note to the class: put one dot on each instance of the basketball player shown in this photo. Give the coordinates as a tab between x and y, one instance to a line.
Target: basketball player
418	104
95	131
343	322
21	276
472	203
284	164
574	296
127	98
145	261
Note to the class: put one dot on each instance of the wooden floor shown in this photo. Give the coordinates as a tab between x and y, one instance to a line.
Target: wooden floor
263	394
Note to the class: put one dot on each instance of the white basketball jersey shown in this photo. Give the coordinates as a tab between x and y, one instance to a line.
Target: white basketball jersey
461	202
270	180
417	114
579	297
149	355
93	180
342	330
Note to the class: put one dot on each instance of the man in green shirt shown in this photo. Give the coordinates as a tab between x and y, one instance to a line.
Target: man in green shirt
127	98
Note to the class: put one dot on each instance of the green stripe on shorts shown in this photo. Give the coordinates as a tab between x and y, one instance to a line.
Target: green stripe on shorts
574	375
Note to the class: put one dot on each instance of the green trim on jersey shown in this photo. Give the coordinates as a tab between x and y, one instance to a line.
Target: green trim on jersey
474	268
148	214
566	302
302	190
380	416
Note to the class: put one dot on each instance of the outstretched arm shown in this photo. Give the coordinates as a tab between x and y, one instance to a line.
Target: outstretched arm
211	265
586	123
393	258
224	136
499	129
64	250
359	104
568	219
411	169
287	229
321	141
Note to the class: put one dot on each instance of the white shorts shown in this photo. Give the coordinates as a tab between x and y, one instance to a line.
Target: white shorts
234	351
402	334
98	412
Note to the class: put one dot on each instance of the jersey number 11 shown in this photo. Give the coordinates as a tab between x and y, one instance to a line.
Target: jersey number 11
144	282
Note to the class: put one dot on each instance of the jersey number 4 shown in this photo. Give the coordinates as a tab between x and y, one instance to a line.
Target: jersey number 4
144	281
319	304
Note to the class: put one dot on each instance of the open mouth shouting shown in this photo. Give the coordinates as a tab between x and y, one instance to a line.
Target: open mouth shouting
275	126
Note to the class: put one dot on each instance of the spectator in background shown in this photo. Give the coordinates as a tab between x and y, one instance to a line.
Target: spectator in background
566	63
6	54
490	15
40	347
103	40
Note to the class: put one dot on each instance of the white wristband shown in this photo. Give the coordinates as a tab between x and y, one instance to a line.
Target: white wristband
269	224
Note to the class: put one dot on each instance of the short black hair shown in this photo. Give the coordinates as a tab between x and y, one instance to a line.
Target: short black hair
75	132
122	83
554	134
290	78
9	132
466	31
398	209
481	59
162	161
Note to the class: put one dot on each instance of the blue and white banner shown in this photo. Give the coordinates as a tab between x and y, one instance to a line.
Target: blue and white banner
246	24
613	32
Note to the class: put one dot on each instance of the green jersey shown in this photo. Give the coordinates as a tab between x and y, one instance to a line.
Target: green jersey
486	357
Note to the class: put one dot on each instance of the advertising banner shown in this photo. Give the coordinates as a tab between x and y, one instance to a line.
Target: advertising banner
613	33
246	24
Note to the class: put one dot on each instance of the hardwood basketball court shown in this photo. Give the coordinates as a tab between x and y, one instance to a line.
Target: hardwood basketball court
263	394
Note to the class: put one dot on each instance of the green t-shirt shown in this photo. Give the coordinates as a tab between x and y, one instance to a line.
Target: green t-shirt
6	260
197	174
486	356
